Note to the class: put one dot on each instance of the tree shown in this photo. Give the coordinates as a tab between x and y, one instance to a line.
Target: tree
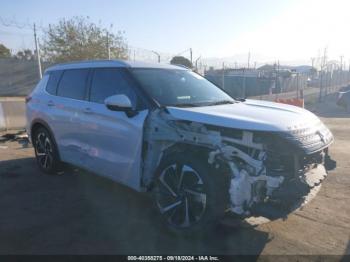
25	54
28	54
80	39
4	51
180	60
20	55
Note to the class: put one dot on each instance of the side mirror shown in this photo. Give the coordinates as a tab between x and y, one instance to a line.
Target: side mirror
120	103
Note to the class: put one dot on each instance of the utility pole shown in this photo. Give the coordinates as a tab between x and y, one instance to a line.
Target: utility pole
37	53
191	55
320	94
244	88
277	77
157	54
312	61
108	47
341	62
323	64
297	85
348	74
223	75
341	69
196	63
248	59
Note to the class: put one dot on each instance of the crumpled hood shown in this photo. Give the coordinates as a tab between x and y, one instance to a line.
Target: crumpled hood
249	115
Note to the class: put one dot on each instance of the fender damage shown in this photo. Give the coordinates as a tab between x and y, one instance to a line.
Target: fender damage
264	166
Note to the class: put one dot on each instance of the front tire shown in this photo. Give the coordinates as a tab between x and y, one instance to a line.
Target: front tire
46	152
189	195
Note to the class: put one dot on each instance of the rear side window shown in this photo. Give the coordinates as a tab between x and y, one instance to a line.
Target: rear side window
73	84
110	81
54	78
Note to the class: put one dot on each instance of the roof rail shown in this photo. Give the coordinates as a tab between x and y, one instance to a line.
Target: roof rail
180	65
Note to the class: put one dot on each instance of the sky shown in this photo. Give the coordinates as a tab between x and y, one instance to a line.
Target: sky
271	30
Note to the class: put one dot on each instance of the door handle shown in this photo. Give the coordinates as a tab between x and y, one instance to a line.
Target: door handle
50	103
88	111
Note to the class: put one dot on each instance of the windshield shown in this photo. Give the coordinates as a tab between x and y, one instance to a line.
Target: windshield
172	87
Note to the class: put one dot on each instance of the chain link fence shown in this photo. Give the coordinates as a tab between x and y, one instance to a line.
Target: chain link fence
20	72
241	83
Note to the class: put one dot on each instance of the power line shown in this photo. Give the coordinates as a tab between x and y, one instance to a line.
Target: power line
14	23
149	54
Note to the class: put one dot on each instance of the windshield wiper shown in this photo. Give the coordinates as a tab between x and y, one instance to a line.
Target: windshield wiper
222	102
186	105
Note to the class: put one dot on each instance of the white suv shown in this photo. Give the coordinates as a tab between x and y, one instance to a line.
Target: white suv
167	130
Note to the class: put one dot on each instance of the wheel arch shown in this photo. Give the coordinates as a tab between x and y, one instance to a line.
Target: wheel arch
36	124
198	151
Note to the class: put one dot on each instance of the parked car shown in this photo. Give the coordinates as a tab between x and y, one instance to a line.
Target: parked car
167	130
343	100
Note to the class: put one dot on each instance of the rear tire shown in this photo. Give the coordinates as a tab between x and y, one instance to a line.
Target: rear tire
189	195
46	152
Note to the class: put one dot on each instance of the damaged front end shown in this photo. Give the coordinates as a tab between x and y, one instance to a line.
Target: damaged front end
289	172
278	168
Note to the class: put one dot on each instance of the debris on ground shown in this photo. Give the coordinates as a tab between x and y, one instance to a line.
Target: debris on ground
21	137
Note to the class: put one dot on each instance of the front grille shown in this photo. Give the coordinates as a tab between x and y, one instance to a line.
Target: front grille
314	137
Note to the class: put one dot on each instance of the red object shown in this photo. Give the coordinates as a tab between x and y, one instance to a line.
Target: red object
292	101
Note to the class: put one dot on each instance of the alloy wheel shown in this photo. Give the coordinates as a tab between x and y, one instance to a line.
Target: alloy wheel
43	149
180	196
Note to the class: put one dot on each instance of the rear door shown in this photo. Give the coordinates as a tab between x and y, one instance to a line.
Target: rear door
69	105
112	140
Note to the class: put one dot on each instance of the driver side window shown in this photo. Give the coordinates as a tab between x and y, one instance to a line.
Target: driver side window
110	81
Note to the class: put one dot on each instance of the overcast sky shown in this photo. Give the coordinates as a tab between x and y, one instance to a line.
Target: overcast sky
288	30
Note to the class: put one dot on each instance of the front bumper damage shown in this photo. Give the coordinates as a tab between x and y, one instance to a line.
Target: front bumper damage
285	180
279	168
273	197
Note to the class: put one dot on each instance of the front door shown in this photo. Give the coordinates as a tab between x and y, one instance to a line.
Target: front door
112	140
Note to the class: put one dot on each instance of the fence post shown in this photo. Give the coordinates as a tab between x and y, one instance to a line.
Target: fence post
297	85
320	94
244	87
223	76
